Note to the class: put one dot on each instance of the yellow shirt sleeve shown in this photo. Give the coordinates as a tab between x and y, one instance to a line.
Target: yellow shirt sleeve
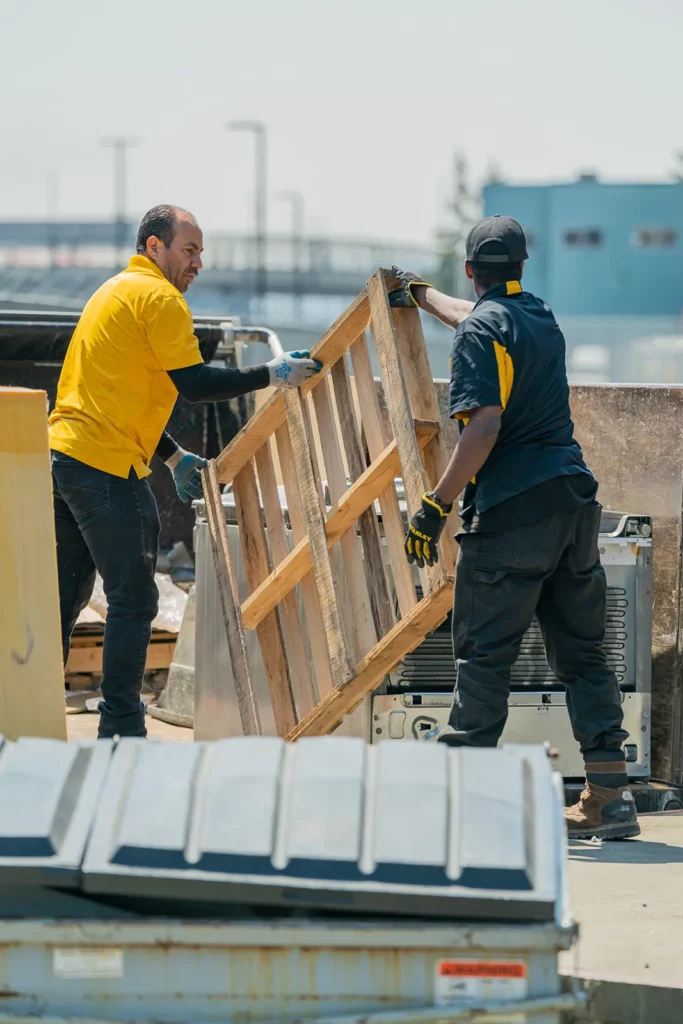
170	333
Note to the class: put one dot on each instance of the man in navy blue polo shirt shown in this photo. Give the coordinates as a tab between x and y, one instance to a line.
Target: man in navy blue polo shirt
530	521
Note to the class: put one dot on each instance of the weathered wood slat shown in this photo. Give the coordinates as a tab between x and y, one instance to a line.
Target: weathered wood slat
256	567
364	636
406	635
340	659
315	627
299	665
375	573
377	438
415	480
360	496
244	690
272	415
424	405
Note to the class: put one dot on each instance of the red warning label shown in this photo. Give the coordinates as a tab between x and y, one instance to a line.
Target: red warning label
481	969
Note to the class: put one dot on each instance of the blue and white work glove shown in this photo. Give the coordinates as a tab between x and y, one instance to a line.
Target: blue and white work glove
291	369
187	474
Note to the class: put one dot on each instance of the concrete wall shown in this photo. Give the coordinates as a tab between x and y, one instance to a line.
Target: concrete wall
632	438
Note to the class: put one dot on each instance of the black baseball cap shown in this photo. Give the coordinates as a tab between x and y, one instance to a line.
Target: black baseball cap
497	241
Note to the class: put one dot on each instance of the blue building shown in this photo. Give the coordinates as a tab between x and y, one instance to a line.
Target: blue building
600	249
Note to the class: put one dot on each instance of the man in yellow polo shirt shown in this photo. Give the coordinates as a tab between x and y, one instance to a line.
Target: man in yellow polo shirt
132	353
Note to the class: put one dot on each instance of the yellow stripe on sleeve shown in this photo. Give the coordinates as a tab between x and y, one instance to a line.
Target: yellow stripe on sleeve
506	372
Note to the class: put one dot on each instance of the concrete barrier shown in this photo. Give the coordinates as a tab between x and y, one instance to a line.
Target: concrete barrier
31	675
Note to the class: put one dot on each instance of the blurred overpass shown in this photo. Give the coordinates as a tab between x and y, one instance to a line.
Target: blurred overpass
61	264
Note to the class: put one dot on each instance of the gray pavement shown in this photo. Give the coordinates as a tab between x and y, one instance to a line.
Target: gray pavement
628	899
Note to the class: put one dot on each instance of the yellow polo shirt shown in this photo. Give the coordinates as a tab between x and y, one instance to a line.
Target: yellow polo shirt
115	397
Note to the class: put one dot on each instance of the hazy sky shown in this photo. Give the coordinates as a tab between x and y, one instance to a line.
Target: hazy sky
365	101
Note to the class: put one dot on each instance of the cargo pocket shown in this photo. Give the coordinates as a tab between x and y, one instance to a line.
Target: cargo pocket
488	575
585	554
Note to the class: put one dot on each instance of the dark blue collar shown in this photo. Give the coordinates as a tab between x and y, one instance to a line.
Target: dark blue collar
509	288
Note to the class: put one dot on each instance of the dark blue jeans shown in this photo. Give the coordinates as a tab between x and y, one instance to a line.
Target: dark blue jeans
111	525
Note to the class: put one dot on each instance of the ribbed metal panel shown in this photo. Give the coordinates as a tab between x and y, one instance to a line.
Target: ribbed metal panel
431	664
48	794
331	822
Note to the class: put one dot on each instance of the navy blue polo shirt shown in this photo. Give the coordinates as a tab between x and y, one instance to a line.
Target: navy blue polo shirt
510	352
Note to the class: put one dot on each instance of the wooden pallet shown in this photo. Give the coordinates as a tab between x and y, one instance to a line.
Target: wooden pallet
322	654
85	656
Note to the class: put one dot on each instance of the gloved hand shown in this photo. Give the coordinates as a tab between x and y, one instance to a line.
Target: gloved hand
425	529
187	474
403	297
291	369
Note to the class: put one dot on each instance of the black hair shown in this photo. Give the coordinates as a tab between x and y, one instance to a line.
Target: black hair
161	222
488	276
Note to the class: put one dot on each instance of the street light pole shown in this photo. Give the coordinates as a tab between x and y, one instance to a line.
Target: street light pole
119	146
52	211
296	200
259	131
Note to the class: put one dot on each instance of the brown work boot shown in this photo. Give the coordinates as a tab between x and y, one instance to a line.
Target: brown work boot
605	813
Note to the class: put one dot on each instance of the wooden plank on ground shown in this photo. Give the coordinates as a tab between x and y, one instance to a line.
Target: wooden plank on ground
377	436
340	659
299	665
415	480
315	627
271	416
225	577
360	496
84	659
375	573
257	569
365	636
406	635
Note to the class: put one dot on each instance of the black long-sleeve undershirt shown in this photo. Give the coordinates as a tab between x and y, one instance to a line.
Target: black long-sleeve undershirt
202	383
166	447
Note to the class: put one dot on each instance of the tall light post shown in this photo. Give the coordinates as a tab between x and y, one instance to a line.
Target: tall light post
119	145
296	201
52	212
259	131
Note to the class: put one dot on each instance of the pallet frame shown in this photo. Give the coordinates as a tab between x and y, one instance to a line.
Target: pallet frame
352	644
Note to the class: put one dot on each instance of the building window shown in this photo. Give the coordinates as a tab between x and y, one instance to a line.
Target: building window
585	237
654	238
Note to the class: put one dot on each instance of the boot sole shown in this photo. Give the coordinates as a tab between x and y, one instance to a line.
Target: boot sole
629	831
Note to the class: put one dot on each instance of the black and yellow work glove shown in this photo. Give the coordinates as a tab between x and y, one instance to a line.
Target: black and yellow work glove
425	529
403	296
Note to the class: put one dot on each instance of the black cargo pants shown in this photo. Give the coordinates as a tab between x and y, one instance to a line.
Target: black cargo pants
550	569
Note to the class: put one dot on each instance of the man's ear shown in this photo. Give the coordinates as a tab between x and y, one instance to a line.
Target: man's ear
154	244
468	270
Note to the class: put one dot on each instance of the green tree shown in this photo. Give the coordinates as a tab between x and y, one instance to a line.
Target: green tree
461	212
677	172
